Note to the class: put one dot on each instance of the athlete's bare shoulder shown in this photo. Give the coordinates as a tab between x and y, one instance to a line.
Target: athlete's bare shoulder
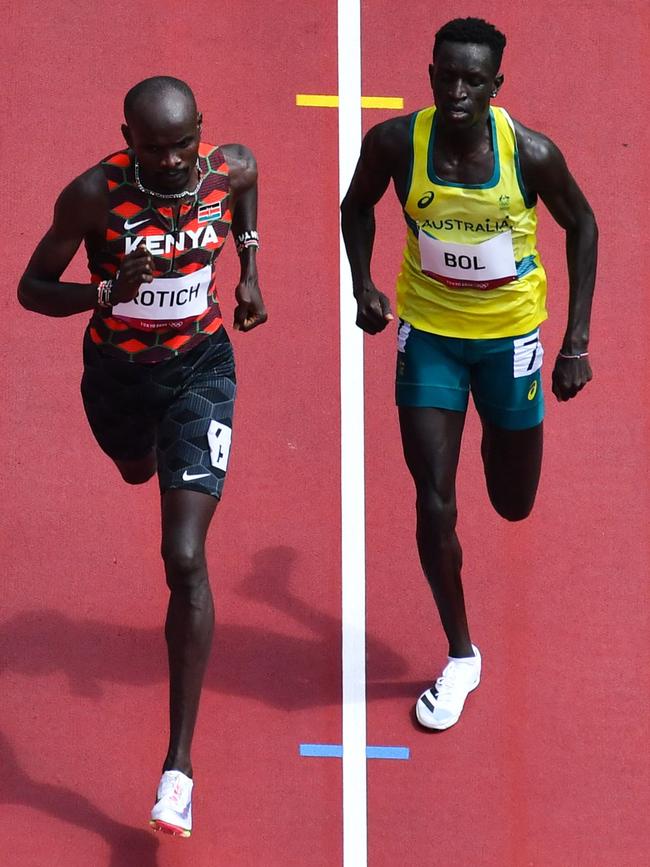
545	172
538	155
385	156
83	205
88	186
389	141
242	165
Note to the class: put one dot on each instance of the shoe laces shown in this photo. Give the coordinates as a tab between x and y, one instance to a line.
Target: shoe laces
446	683
174	790
176	793
451	678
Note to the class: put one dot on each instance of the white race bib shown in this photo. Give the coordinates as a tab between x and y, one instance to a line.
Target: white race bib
475	266
167	301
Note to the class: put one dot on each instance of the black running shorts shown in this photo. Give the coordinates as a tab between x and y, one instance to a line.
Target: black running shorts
182	407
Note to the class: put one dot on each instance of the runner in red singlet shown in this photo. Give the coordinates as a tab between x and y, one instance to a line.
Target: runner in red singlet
159	383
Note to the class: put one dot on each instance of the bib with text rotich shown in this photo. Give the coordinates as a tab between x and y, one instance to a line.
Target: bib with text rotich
167	302
472	266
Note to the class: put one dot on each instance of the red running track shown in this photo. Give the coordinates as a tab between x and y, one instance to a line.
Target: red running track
549	763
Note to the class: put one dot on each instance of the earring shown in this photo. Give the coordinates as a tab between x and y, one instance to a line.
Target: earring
494	93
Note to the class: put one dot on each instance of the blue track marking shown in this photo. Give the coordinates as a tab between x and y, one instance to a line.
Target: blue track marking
401	753
326	751
335	751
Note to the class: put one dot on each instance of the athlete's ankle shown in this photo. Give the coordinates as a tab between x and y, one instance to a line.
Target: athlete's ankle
461	649
178	763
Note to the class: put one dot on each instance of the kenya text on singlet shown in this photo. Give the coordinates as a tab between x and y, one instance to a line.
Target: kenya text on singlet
179	308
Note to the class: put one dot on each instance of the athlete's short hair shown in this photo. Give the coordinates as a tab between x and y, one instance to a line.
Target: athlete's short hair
474	30
158	85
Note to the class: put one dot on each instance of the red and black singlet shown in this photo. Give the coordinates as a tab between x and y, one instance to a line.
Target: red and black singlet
180	308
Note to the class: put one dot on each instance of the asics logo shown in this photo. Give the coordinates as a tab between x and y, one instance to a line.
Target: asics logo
189	477
425	200
129	226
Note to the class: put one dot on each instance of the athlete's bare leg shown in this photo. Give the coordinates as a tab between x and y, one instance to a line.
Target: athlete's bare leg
512	460
186	516
431	440
189	626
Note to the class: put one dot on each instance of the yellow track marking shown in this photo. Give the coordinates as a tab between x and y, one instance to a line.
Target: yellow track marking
317	100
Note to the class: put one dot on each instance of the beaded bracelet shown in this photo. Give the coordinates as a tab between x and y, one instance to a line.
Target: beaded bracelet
104	293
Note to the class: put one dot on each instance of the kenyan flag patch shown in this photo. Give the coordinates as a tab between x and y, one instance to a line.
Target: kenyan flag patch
208	213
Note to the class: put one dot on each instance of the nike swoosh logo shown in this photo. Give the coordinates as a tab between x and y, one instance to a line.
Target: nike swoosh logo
189	477
129	226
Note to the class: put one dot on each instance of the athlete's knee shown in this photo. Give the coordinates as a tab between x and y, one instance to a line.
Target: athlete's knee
137	472
437	514
136	477
512	504
513	511
185	567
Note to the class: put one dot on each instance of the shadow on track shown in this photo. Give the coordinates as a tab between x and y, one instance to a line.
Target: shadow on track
281	669
129	846
293	669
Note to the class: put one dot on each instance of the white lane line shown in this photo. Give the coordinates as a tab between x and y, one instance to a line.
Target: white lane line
355	823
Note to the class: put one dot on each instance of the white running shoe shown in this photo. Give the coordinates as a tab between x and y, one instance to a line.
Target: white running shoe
440	706
172	812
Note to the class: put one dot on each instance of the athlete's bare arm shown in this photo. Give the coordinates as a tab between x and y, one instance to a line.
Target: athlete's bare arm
250	311
80	213
385	156
545	172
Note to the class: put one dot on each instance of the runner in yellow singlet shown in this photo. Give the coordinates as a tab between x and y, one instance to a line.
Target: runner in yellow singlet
471	295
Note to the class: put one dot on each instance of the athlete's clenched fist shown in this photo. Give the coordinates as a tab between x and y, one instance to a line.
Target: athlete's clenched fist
136	269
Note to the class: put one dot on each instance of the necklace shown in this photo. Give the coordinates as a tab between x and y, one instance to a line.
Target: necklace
181	195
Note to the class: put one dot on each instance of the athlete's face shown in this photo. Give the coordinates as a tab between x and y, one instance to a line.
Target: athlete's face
463	78
166	143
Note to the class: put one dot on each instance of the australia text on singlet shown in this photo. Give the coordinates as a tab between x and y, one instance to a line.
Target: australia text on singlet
470	265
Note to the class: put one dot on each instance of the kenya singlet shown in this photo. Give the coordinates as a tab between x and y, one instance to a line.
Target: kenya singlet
179	308
470	266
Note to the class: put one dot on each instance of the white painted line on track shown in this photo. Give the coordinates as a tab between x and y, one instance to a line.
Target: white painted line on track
353	548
